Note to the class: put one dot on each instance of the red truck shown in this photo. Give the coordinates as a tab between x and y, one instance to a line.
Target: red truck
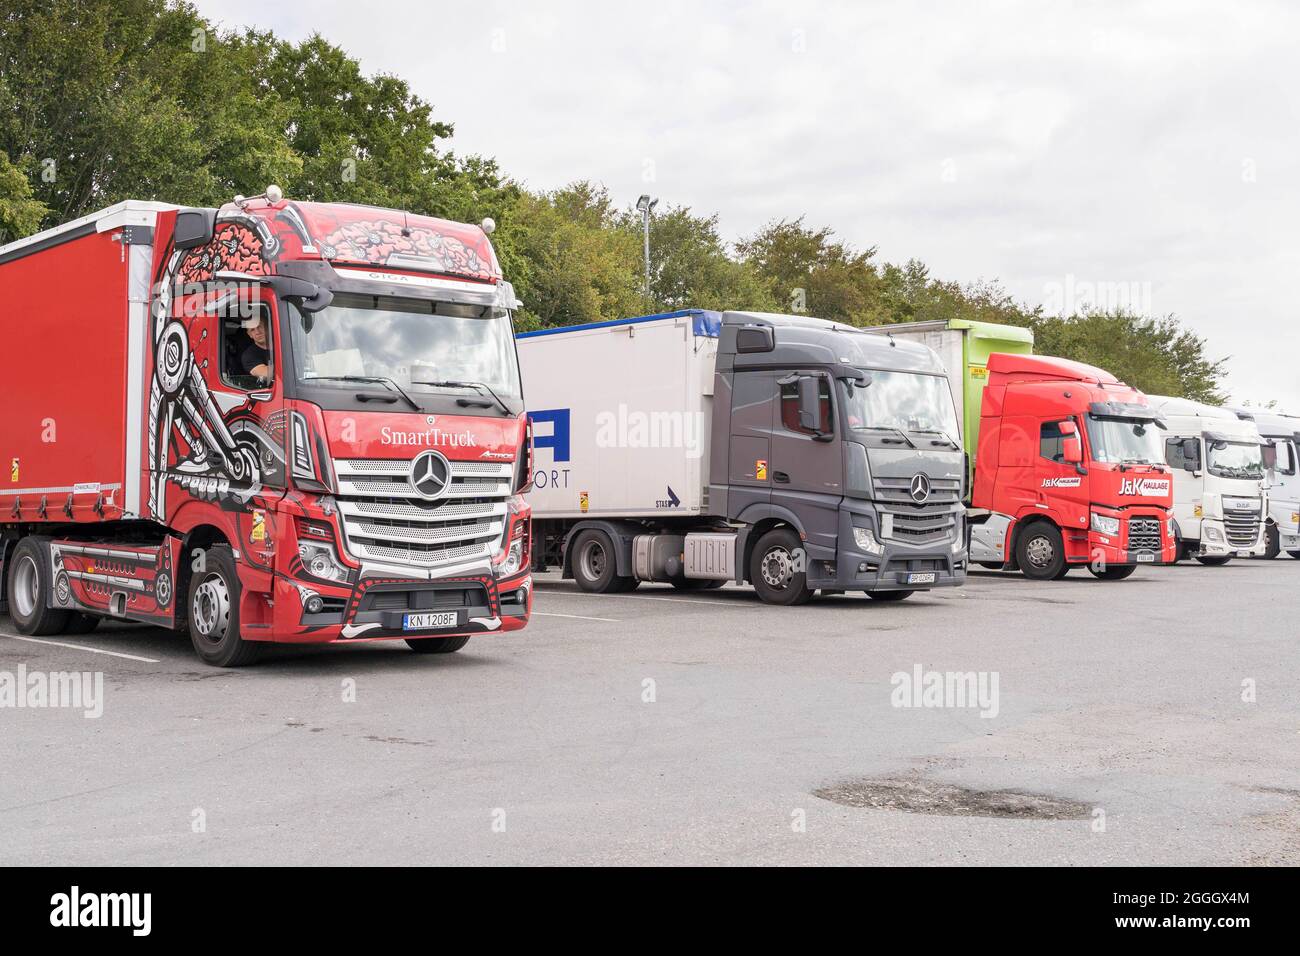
1069	471
274	422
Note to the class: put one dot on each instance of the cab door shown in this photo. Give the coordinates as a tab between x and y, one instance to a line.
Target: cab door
807	465
753	410
1061	487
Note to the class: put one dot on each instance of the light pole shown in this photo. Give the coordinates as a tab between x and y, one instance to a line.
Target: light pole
646	205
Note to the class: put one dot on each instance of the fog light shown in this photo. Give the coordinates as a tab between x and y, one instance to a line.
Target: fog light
314	604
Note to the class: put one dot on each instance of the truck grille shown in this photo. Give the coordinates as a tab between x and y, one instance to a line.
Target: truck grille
942	490
1144	534
385	519
922	526
1242	528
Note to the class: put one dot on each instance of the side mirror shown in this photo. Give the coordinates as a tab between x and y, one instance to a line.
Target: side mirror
312	297
1072	449
810	404
194	227
1270	456
1191	454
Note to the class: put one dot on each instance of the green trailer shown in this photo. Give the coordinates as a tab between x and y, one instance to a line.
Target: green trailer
964	348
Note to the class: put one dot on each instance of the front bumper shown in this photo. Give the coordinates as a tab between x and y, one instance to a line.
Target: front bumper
898	565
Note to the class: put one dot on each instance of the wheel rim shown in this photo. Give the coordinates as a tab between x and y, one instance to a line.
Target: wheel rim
211	610
593	560
1040	551
26	586
777	568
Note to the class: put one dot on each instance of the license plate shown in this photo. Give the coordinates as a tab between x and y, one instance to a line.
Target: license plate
1145	557
420	622
921	577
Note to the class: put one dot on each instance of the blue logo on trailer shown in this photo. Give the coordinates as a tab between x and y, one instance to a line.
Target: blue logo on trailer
558	440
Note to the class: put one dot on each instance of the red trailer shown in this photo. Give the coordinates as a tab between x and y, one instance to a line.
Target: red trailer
276	421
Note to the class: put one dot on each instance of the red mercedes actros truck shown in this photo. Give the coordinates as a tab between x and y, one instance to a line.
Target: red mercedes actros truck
273	422
1069	472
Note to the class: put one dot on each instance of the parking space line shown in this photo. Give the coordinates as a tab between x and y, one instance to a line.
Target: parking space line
650	597
82	647
578	617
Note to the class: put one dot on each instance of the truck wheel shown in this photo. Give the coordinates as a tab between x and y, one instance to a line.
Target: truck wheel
1040	552
991	565
29	588
437	645
891	595
1272	542
595	567
697	584
214	612
1115	572
79	623
1294	554
774	569
1214	560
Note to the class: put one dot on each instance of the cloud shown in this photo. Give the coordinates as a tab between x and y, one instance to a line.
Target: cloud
1152	143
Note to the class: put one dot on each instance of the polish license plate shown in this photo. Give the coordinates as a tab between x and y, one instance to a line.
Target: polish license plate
921	577
421	622
1146	557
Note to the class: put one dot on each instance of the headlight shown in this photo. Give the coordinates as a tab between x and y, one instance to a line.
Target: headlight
514	559
1104	524
866	541
319	561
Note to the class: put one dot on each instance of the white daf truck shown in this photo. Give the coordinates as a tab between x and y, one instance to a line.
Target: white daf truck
1218	464
1281	435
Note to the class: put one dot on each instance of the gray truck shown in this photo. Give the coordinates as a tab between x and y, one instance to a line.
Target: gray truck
697	448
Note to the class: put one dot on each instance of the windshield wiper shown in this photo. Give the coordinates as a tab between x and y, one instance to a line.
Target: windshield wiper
479	385
947	439
890	428
370	379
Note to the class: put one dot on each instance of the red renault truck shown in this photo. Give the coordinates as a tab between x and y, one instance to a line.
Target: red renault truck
274	422
1069	472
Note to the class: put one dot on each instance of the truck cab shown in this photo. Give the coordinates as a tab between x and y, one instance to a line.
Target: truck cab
1218	464
1281	434
1070	472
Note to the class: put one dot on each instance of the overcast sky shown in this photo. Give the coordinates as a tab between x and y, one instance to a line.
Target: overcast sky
1143	153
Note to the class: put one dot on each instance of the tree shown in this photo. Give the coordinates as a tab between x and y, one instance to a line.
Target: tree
20	212
1155	355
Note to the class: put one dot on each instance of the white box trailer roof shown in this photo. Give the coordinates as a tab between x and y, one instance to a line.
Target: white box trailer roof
621	415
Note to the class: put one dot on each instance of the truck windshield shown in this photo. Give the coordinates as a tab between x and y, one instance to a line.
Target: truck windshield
1230	459
1121	441
422	345
905	400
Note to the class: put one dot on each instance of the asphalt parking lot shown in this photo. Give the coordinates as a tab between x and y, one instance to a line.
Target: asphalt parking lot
662	727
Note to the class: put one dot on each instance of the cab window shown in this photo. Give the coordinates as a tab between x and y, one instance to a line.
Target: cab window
247	349
1174	456
1051	441
790	406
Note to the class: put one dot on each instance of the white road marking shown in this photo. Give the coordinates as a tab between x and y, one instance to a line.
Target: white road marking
578	617
82	647
649	597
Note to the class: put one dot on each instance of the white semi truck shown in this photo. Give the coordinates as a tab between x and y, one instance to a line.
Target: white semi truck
697	448
1281	435
1218	464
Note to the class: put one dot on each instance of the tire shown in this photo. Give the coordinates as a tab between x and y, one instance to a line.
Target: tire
1040	552
213	603
79	623
697	584
1272	542
1214	560
437	645
1294	554
990	565
1116	572
772	569
595	565
28	590
890	595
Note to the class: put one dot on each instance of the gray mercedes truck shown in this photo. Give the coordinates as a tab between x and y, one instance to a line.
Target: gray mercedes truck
697	448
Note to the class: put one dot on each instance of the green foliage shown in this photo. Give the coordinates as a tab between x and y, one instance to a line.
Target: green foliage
103	100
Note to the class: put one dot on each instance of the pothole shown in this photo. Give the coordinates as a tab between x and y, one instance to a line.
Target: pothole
913	795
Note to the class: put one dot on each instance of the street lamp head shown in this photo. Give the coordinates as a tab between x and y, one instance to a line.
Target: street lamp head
644	204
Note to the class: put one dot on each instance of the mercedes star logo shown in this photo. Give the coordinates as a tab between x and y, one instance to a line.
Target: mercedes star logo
920	489
430	475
